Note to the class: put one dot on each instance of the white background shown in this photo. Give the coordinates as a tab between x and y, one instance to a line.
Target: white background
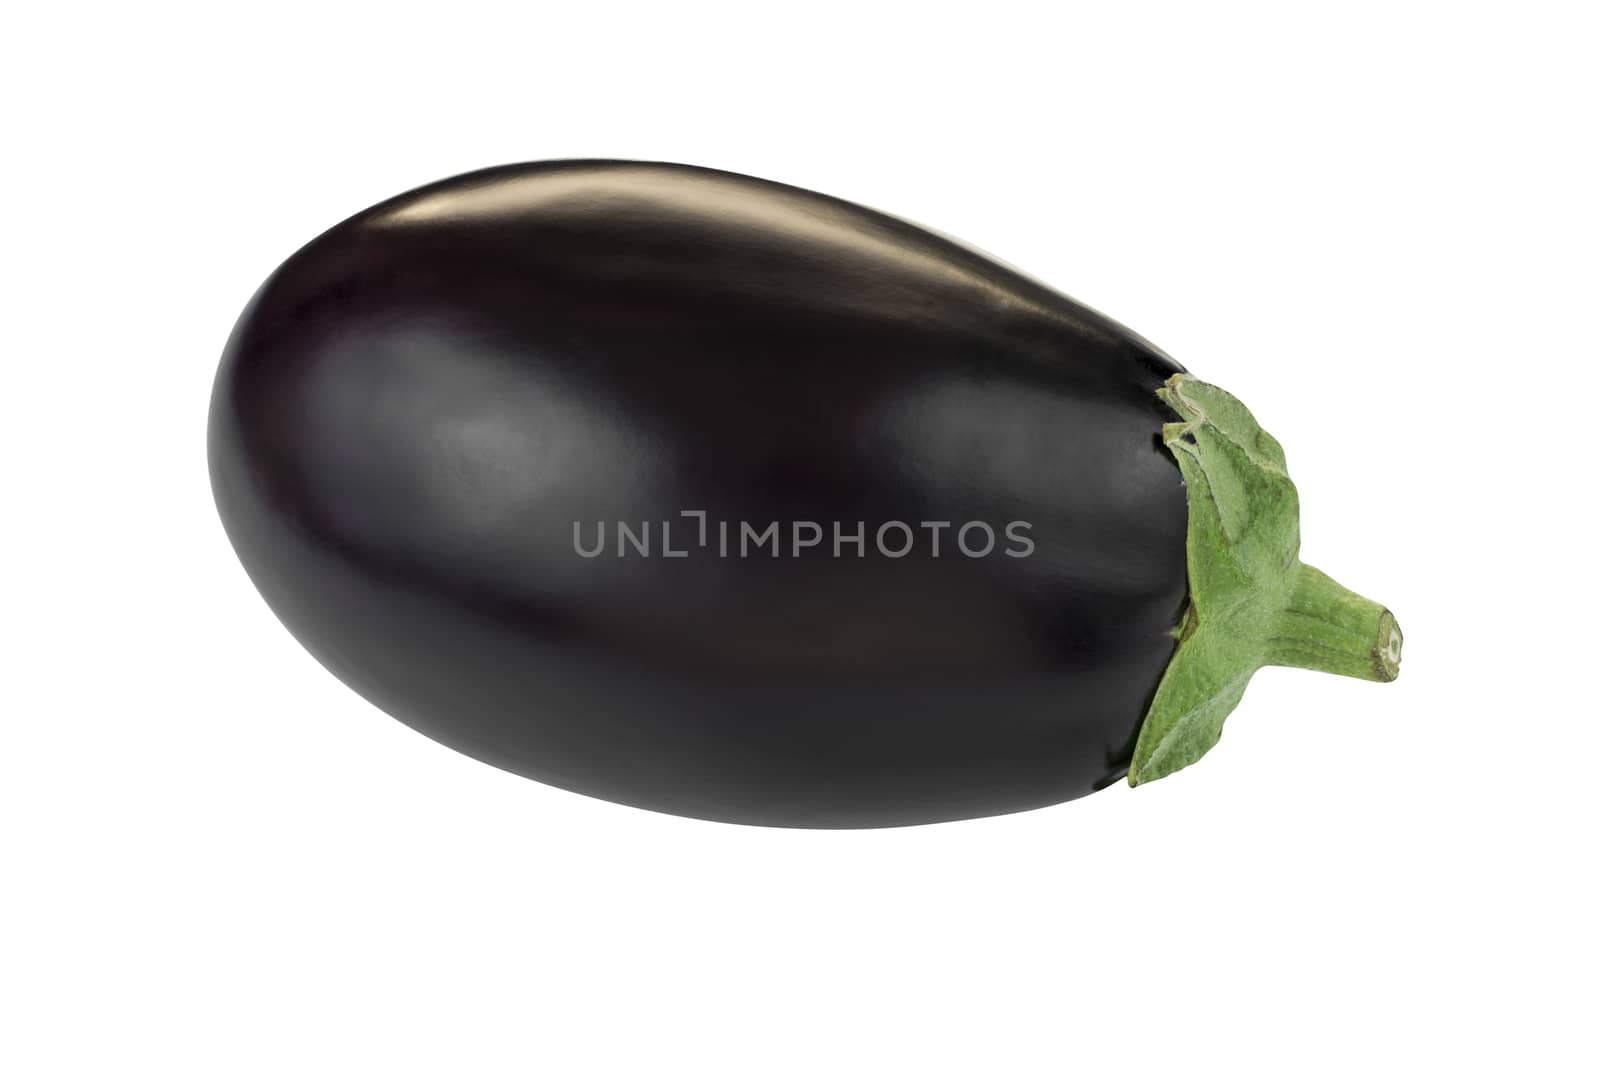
1375	222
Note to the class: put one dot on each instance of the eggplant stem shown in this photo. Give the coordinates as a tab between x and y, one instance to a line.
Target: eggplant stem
1251	601
1326	627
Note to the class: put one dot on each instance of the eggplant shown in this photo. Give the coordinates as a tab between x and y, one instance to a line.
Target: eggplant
718	497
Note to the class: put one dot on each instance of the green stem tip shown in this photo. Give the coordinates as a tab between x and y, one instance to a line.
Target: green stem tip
1252	603
1325	627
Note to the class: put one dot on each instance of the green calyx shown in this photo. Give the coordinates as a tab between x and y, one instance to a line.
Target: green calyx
1251	601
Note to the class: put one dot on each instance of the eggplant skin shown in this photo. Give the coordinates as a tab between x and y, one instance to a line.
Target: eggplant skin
417	408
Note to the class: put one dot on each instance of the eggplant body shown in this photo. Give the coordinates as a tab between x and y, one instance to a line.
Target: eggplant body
426	418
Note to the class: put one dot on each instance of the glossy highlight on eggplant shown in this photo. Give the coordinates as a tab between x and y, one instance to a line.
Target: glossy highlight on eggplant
427	416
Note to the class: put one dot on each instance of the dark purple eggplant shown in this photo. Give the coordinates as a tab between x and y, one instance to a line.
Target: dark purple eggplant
719	497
